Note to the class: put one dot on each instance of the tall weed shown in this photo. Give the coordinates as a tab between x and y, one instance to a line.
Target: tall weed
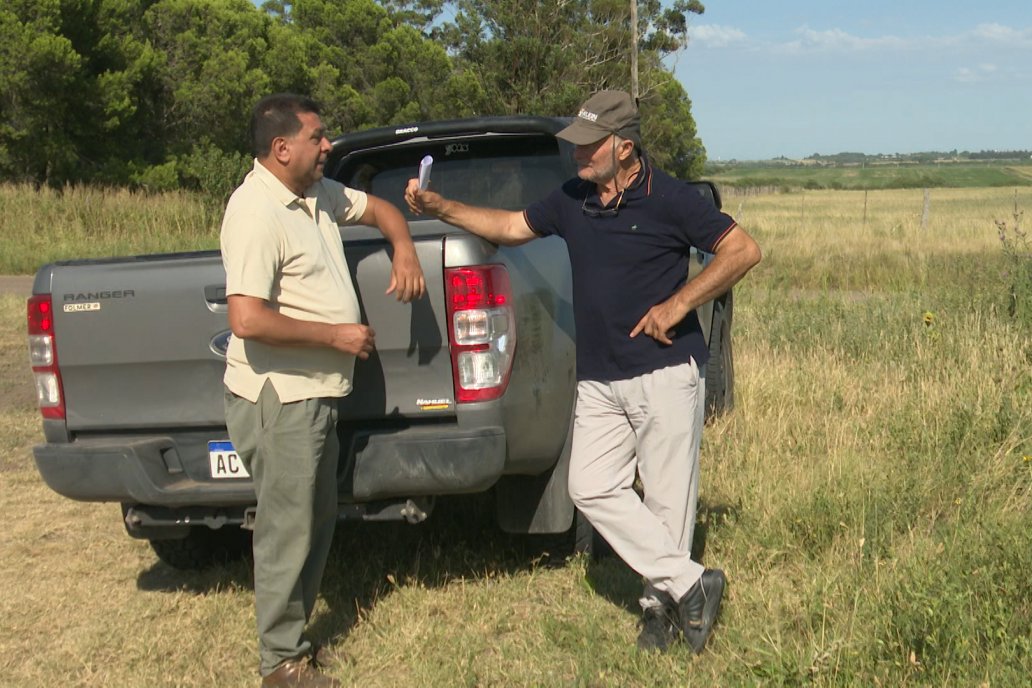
39	226
1017	248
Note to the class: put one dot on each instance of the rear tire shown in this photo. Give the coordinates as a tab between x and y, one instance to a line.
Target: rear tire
203	548
720	371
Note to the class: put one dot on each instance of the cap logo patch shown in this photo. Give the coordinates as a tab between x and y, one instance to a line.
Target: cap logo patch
590	116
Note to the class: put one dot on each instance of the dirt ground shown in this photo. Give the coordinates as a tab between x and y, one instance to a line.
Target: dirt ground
17	389
19	285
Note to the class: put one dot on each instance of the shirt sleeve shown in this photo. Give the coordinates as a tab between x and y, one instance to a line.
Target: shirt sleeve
251	251
348	204
544	217
703	224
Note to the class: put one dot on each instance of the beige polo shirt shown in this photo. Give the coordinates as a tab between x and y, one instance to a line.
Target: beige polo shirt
287	250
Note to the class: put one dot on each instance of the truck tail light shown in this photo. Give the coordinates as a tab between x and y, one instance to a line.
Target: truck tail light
43	357
482	336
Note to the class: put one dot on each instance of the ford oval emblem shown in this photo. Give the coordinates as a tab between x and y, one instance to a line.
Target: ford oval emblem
220	342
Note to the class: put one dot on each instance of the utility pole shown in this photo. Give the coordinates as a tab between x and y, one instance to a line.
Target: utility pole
634	50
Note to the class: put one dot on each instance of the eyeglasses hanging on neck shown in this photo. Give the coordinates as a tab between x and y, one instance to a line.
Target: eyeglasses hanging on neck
602	212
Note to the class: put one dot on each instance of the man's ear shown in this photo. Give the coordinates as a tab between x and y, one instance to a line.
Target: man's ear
626	149
280	150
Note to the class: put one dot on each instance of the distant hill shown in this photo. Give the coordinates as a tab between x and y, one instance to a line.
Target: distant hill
848	158
862	171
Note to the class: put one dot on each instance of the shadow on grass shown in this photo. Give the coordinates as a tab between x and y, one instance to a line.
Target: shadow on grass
161	577
460	541
707	518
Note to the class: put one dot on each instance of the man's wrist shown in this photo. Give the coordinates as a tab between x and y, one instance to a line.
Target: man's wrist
404	249
443	209
682	300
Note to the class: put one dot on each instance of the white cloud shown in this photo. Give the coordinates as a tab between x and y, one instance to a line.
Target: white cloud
838	40
984	37
715	35
997	33
974	75
966	75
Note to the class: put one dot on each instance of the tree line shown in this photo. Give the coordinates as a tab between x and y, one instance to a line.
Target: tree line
157	94
919	157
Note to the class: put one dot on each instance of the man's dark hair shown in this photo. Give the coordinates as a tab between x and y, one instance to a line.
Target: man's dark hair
275	116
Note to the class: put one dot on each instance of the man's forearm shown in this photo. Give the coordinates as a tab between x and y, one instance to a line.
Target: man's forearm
267	326
391	224
492	224
400	239
252	318
506	227
407	281
728	266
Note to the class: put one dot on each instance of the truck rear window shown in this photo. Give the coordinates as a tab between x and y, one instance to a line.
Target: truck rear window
508	172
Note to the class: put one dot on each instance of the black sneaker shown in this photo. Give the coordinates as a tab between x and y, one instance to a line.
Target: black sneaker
659	626
699	606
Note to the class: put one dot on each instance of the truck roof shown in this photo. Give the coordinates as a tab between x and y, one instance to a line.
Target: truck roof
452	128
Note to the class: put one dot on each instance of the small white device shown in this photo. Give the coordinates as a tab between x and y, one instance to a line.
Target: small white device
424	172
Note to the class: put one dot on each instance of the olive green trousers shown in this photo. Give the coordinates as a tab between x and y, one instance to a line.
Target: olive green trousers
291	452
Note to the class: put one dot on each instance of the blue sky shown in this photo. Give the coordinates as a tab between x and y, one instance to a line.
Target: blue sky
797	77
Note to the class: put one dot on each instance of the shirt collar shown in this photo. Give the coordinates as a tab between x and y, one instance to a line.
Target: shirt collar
643	181
278	189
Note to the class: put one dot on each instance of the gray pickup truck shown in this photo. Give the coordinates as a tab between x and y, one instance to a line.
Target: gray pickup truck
128	356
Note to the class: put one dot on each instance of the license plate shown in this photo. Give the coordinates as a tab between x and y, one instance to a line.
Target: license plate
225	463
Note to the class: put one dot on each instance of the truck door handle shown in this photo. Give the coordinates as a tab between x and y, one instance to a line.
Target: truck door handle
215	298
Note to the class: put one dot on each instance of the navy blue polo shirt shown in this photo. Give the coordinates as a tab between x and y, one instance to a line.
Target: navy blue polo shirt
625	259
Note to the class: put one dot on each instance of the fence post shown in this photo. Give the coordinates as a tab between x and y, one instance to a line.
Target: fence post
924	213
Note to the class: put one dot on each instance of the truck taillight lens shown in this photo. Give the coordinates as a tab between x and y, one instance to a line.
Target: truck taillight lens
482	336
43	357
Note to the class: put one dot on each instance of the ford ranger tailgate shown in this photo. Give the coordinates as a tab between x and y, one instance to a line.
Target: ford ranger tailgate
141	341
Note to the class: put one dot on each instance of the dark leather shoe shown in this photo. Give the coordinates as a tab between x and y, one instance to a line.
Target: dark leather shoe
298	673
659	623
699	606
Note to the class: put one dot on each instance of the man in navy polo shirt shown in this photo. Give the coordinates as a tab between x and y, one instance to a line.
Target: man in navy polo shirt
640	396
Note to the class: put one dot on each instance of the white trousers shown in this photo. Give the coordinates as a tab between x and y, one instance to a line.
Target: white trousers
652	423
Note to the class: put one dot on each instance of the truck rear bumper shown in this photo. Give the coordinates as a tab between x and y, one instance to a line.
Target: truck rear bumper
421	461
160	470
145	470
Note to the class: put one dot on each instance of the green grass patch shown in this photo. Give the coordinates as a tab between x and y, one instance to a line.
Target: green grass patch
46	225
872	176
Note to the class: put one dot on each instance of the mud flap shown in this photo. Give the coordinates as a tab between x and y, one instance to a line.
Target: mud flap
537	504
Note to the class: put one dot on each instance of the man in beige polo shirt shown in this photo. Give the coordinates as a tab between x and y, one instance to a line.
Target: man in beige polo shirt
296	332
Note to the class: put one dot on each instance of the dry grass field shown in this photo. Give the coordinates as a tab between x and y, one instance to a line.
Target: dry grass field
870	498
